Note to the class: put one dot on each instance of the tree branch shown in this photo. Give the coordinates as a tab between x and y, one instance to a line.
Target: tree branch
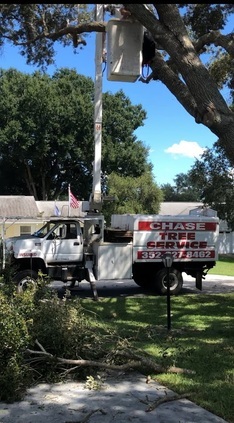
167	398
136	361
72	30
218	39
163	72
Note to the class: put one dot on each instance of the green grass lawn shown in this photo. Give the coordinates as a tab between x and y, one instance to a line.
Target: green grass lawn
201	339
224	266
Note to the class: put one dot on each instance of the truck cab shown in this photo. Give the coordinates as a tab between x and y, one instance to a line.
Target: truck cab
56	242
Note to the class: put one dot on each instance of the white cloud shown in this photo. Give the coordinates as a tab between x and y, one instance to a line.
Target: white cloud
186	148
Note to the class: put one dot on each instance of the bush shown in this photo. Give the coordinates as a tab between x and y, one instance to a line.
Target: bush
16	335
64	330
14	338
38	320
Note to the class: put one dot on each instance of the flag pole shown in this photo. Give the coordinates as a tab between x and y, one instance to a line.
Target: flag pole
68	199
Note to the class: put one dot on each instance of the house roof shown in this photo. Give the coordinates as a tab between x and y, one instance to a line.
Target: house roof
18	206
25	208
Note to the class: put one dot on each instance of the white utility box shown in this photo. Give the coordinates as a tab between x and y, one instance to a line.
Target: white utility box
124	50
113	261
203	211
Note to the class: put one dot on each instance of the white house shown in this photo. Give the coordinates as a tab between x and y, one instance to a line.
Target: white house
22	215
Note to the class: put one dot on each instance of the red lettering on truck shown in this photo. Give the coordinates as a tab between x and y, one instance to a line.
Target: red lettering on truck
176	254
176	244
144	225
177	235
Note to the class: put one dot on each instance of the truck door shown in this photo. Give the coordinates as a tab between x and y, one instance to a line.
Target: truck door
65	244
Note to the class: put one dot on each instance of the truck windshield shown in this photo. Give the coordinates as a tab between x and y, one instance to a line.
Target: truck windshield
44	230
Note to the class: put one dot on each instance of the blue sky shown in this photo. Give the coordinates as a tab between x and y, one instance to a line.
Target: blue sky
169	131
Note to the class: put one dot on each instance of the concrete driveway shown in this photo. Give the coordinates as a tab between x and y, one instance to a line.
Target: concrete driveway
213	284
122	398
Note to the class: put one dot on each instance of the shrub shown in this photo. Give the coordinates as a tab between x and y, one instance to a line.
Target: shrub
38	320
16	328
64	330
14	338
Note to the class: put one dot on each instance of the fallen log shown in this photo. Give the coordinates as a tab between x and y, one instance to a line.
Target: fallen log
136	361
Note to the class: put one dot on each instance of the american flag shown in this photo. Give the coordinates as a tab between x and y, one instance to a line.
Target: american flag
74	203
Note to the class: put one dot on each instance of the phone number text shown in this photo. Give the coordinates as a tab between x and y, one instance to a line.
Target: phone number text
144	255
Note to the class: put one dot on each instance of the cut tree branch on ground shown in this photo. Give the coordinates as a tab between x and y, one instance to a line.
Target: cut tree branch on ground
166	398
136	361
86	418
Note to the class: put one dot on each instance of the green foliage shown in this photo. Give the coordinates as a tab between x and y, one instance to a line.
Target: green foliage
46	134
13	379
204	18
220	69
13	330
122	152
63	329
183	190
132	195
14	338
22	24
16	326
94	384
37	319
39	129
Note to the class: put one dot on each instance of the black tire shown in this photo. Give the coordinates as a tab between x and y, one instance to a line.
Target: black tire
176	281
24	279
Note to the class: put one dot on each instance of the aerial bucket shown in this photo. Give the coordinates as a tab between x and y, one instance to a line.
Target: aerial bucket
124	50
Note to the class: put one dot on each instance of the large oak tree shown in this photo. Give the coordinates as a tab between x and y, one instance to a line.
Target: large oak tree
46	134
182	34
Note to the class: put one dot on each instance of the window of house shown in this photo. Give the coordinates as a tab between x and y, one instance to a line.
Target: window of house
25	230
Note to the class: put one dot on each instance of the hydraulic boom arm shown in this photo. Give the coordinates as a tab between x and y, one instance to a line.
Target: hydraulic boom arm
95	201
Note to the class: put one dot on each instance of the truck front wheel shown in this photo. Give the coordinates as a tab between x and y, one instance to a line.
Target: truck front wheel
24	279
175	280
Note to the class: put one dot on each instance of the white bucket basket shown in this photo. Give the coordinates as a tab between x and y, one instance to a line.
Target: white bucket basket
124	50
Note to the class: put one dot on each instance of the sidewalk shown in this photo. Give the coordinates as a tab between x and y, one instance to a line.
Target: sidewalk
124	397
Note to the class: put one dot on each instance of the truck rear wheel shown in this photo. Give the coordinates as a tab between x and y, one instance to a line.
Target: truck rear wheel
175	278
25	279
